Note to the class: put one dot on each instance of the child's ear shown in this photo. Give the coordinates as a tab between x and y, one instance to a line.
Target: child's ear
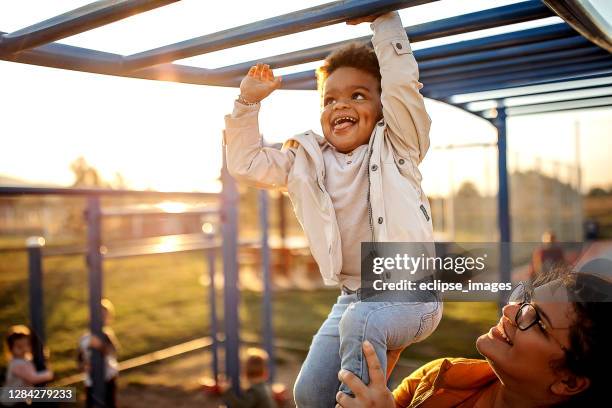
569	385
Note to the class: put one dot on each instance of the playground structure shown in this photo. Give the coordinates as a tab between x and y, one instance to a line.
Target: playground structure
567	65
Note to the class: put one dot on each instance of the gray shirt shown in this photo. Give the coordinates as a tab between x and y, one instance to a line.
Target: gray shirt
346	181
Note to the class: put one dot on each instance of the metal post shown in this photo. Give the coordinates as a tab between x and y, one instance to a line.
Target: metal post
267	279
37	317
94	263
229	215
503	199
212	300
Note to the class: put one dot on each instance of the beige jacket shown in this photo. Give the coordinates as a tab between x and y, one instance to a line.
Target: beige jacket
399	210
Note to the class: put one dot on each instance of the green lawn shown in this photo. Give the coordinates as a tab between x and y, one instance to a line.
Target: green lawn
160	301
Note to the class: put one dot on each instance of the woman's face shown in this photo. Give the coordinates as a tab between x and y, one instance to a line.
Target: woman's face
525	360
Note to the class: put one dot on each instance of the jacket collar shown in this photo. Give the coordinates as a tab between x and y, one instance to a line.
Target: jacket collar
464	374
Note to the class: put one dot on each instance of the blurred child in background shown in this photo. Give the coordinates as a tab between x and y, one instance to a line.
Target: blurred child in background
20	371
108	346
259	394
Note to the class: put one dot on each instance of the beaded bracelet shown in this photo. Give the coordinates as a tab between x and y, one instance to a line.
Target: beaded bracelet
244	101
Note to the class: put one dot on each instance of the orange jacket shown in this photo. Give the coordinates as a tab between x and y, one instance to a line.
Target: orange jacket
446	382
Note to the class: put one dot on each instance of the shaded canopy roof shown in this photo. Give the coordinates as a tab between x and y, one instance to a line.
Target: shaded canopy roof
543	63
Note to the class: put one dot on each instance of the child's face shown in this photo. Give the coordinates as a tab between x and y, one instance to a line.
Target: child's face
351	107
21	348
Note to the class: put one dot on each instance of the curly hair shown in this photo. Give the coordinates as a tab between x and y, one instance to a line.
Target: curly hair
354	55
14	334
590	334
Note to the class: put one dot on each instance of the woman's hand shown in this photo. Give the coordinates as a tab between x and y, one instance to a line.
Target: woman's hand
374	395
258	83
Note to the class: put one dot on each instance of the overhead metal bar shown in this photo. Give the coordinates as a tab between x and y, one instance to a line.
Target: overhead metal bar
307	19
585	19
16	191
560	106
82	19
482	108
506	54
512	14
445	89
593	81
62	56
586	93
515	66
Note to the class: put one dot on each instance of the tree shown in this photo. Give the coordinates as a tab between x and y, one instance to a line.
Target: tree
468	190
598	192
85	175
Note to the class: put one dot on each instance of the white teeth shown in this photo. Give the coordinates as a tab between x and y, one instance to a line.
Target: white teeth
338	120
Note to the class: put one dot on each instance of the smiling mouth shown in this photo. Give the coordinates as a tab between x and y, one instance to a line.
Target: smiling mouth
499	333
343	122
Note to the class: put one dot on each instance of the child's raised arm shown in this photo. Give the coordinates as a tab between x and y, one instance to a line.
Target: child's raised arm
247	160
403	105
28	373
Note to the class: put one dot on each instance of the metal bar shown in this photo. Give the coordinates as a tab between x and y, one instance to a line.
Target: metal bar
82	19
574	104
572	46
212	300
94	263
62	56
570	58
86	60
268	332
503	199
445	89
36	300
122	212
494	42
542	99
302	20
586	19
5	190
231	299
594	81
480	20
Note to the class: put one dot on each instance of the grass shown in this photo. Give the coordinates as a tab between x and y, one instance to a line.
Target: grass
160	301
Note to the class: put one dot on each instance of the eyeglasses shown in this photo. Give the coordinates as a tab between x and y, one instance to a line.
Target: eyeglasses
528	314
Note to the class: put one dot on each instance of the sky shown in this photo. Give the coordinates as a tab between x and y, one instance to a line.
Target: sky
167	136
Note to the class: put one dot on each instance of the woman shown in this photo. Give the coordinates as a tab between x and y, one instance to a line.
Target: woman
550	348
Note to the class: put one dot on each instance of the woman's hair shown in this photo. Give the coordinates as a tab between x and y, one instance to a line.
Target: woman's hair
15	333
354	55
590	334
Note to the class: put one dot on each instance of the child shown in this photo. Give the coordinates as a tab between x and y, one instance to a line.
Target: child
21	371
360	183
107	345
259	394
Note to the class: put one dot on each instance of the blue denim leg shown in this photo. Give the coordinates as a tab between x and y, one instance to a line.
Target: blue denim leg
317	383
388	326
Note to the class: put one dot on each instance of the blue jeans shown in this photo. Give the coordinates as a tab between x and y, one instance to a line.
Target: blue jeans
338	343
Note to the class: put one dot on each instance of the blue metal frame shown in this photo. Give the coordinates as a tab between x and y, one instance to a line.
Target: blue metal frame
94	263
74	22
36	300
555	54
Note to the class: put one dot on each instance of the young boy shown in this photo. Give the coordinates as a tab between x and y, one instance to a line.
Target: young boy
360	183
259	394
21	372
107	345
